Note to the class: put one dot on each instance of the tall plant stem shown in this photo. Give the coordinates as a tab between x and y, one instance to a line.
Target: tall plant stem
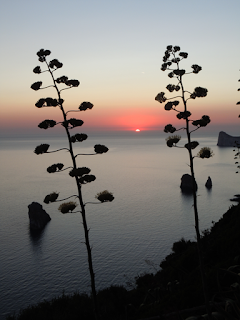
83	212
200	255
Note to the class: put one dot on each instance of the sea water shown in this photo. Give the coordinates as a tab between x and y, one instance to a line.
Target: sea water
129	236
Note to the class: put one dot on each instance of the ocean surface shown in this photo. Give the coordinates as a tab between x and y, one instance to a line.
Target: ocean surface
129	236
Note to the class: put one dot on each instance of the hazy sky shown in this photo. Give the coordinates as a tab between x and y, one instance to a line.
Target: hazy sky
115	49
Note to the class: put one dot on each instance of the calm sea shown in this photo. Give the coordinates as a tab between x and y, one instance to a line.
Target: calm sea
129	236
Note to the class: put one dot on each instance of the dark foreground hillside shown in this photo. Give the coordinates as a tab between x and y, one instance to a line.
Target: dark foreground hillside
174	292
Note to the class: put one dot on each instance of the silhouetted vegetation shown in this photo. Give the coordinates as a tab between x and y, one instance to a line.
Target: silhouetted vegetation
80	174
171	62
237	146
174	292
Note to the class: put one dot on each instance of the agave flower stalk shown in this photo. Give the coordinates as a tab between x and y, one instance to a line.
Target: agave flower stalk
171	62
237	144
81	175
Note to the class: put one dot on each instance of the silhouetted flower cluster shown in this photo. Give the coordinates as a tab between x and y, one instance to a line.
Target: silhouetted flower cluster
85	105
169	105
72	83
87	178
237	154
67	82
205	153
62	79
105	196
172	140
196	68
183	54
72	123
47	102
42	148
83	174
40	103
55	64
169	128
199	92
47	124
42	54
203	122
37	70
178	72
99	148
183	115
55	167
238	101
67	206
171	49
52	197
78	172
172	87
191	145
160	97
36	85
79	137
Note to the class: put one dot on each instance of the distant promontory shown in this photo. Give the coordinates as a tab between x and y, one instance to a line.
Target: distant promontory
225	140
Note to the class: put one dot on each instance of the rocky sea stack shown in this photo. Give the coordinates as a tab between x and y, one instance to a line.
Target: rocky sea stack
38	216
225	140
187	183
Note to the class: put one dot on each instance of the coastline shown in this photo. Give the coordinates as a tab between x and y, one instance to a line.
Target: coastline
176	286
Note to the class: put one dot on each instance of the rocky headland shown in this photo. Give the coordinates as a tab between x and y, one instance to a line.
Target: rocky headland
225	140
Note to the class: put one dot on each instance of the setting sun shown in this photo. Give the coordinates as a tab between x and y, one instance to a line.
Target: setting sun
137	130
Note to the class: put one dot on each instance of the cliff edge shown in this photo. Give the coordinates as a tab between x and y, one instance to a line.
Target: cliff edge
225	140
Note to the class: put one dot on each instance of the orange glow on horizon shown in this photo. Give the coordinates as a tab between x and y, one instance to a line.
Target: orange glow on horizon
130	119
114	118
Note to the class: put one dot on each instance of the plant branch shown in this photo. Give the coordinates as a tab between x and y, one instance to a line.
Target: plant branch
67	198
72	111
92	203
58	150
64	169
85	154
194	129
46	87
65	88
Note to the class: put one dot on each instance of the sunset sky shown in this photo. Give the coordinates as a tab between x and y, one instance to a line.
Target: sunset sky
115	49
